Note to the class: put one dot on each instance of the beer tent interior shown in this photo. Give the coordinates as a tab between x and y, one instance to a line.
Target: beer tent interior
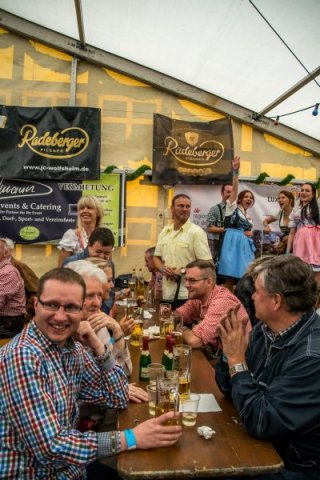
254	61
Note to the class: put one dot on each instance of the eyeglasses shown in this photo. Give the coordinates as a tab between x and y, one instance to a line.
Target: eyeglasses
54	307
192	281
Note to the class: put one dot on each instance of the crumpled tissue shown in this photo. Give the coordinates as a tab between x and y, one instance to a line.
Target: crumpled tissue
152	332
205	432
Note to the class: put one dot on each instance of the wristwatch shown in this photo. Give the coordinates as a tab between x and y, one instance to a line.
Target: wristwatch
183	271
237	368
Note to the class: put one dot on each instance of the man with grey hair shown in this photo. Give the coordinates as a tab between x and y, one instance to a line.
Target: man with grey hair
98	284
207	302
273	376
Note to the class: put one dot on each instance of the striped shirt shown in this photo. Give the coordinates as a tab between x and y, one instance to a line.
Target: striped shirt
208	314
41	385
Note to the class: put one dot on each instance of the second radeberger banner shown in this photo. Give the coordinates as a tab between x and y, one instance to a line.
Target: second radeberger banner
191	152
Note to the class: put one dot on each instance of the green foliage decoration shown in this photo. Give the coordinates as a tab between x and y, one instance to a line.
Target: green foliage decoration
261	178
130	176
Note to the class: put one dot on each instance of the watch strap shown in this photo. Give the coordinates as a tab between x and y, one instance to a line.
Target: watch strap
237	368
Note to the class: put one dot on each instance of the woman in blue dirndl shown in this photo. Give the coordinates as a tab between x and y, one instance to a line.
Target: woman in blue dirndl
237	249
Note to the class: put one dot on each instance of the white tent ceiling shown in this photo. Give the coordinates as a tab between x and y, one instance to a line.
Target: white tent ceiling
224	47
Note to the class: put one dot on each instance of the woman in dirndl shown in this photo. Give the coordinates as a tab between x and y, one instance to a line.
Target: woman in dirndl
237	249
304	238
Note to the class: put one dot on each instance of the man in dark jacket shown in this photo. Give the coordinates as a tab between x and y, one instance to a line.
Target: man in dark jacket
273	378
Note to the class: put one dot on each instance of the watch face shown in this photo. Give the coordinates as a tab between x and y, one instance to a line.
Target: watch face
182	271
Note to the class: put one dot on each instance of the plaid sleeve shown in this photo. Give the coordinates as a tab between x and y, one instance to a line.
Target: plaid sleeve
213	216
105	387
31	403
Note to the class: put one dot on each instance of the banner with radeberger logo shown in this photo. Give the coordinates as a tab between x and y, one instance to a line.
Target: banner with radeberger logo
191	152
50	143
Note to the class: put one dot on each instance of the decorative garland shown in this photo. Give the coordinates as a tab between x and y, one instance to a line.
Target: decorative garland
260	179
130	176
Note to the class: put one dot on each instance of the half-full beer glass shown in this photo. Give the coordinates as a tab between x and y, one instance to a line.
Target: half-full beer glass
167	398
182	356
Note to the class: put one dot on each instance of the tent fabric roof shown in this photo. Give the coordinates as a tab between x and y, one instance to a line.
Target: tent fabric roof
224	47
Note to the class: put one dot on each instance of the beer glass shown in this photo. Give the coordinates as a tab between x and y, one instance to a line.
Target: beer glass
150	300
189	409
167	397
182	355
132	308
164	315
136	335
155	370
152	394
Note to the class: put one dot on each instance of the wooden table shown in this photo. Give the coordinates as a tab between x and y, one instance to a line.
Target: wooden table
230	452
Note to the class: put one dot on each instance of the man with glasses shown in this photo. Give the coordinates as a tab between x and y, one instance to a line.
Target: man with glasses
206	303
100	244
45	372
273	375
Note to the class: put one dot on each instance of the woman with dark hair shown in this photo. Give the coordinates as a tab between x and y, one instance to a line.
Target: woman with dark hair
237	247
304	237
245	287
286	201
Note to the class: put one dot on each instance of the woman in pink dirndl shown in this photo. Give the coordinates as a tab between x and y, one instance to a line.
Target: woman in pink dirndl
304	238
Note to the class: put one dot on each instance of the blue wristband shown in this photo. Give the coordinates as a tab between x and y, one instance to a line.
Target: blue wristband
112	340
130	439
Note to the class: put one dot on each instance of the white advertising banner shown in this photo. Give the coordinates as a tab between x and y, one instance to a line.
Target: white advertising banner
204	197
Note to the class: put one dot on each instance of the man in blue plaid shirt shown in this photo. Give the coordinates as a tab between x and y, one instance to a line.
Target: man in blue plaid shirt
44	373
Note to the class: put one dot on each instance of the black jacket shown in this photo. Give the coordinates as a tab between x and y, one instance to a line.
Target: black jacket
279	397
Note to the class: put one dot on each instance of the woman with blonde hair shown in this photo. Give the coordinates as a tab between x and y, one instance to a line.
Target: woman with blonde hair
89	216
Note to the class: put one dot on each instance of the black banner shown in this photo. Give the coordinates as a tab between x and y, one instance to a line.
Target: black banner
191	152
50	143
36	212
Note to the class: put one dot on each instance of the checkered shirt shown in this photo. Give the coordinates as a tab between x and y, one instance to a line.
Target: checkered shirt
219	301
41	385
12	296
